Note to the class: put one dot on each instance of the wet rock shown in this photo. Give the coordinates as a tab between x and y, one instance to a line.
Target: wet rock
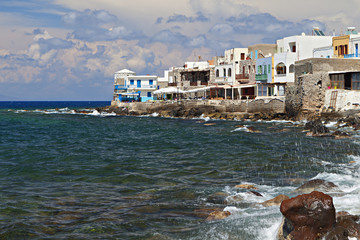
276	201
255	193
311	215
217	198
318	185
349	222
246	186
337	233
340	135
316	127
234	199
218	215
252	129
204	212
209	124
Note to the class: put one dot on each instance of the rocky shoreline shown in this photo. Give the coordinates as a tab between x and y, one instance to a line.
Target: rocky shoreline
309	215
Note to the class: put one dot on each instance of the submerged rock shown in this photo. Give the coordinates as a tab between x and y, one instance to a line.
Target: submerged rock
217	198
252	129
311	215
318	185
246	186
276	201
218	215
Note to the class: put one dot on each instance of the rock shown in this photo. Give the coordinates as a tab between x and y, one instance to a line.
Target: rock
246	186
340	135
316	127
234	199
337	233
311	215
255	193
218	215
349	223
252	129
204	212
209	124
217	198
318	185
276	201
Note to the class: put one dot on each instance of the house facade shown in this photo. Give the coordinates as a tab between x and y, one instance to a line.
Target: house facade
130	87
295	48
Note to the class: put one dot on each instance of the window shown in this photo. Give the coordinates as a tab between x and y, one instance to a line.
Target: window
355	84
149	94
259	70
262	90
229	72
151	82
217	72
224	72
242	56
138	83
281	91
281	68
291	68
264	69
269	69
337	81
131	82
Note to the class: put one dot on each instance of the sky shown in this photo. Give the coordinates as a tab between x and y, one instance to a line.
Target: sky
56	50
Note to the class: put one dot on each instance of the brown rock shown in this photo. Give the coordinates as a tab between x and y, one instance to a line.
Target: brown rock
349	223
253	130
255	193
312	215
276	201
209	124
318	185
218	215
246	186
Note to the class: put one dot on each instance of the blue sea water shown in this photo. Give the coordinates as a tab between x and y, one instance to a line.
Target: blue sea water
65	175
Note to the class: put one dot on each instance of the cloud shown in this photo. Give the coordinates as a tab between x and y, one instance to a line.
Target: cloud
178	18
89	18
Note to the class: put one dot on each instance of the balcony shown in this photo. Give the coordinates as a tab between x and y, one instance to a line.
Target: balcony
204	83
261	77
354	55
120	87
242	76
141	86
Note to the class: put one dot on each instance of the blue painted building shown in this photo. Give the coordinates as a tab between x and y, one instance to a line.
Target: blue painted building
129	87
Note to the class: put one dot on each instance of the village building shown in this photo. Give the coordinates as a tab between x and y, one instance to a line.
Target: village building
131	87
324	84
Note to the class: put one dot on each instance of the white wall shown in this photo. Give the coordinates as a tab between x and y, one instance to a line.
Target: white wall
346	99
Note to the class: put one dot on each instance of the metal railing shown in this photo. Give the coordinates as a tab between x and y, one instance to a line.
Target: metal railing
261	77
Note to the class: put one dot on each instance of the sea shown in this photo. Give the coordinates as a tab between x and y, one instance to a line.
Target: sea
68	171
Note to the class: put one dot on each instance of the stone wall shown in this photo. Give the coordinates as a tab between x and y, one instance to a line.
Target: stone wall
307	94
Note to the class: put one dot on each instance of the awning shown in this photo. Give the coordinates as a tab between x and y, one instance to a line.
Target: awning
198	90
168	90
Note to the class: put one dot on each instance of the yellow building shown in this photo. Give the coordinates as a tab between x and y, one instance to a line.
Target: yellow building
341	45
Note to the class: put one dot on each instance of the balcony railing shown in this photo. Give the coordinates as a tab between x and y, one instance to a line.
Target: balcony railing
120	87
193	84
204	83
261	77
141	86
242	76
354	55
172	84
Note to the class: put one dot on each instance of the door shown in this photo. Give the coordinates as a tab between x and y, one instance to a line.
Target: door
356	50
139	83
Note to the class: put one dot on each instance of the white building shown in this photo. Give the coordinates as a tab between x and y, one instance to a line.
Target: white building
130	87
295	48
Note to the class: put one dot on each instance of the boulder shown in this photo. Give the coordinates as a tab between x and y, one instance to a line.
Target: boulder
311	215
349	222
246	186
318	185
234	199
252	129
340	135
217	198
316	127
218	215
276	201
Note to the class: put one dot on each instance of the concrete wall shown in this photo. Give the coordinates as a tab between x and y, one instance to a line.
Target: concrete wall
346	99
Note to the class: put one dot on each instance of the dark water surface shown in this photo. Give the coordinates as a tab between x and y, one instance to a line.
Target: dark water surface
71	176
